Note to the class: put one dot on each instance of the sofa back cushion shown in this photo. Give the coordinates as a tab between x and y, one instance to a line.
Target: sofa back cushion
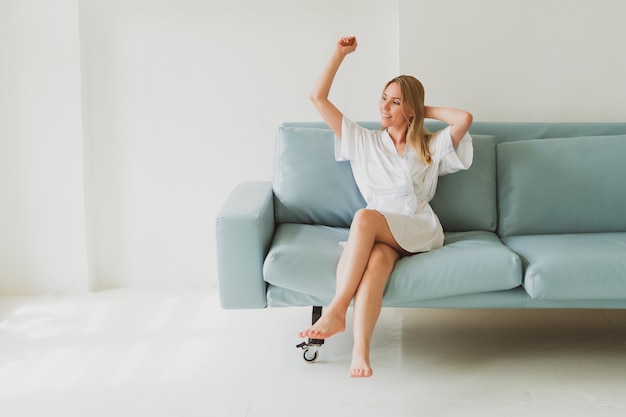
310	187
562	185
466	200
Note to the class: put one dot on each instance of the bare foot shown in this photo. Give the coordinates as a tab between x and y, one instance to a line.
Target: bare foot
327	325
360	367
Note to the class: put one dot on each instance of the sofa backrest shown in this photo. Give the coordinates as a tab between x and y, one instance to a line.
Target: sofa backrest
526	178
562	185
311	187
528	186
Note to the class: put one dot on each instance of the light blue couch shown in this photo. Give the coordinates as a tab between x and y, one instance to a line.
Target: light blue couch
538	221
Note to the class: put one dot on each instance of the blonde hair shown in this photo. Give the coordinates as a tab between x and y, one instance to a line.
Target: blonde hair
413	103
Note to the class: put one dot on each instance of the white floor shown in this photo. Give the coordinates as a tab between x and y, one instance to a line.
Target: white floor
177	354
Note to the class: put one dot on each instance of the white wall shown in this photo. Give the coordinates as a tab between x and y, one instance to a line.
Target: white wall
533	60
42	213
182	100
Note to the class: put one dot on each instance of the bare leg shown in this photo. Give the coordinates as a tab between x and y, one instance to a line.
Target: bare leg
368	227
367	306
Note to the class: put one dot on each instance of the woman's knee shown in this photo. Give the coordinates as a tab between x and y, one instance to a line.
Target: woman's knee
361	215
365	219
383	257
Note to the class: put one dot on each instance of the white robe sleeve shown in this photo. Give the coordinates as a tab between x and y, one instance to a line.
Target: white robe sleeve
447	158
351	145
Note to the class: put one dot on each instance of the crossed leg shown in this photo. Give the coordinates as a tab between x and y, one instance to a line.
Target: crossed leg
367	305
363	269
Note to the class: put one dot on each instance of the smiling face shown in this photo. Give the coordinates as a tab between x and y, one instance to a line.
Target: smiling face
392	113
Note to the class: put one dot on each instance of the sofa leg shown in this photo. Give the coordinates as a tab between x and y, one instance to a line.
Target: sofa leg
315	316
311	348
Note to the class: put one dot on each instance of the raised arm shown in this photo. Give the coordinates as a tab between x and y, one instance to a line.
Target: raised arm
321	89
459	120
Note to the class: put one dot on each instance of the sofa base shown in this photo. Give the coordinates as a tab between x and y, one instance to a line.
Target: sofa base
516	298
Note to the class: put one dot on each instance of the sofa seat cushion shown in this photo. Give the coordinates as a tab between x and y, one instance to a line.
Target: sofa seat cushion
303	258
468	263
589	266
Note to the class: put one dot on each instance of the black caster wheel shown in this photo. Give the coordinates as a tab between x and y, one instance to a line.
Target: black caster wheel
311	354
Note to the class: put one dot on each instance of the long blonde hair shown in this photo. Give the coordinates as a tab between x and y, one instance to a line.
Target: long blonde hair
413	103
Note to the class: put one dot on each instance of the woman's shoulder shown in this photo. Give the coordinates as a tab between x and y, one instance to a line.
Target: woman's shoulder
353	129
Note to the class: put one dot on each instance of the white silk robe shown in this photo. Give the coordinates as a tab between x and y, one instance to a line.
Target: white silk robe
401	187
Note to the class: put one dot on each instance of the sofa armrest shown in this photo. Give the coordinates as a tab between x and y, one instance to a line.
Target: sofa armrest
245	228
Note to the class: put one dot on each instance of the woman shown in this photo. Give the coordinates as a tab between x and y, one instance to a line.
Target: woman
396	170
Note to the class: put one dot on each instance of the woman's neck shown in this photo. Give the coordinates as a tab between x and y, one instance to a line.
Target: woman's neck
398	136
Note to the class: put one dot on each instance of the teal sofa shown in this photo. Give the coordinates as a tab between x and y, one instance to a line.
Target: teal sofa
538	221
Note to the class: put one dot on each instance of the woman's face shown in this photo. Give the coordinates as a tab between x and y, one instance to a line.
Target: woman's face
391	112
